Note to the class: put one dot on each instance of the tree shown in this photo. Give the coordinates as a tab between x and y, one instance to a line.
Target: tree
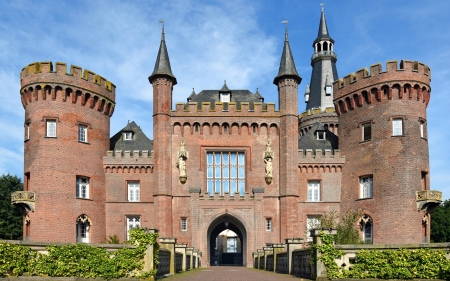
11	218
440	223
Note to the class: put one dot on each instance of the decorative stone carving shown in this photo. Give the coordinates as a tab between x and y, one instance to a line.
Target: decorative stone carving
364	219
258	190
181	163
268	158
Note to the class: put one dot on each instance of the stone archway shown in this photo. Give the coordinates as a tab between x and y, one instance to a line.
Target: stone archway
216	253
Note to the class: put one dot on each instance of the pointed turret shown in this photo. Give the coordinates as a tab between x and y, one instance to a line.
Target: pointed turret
192	95
162	65
225	87
323	29
258	95
287	65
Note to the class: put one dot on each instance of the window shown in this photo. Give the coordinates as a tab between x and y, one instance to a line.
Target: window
423	133
313	191
132	222
397	127
366	186
225	172
268	224
51	128
183	224
366	226
367	132
83	227
225	97
27	130
320	135
127	135
82	133
312	222
82	187
134	191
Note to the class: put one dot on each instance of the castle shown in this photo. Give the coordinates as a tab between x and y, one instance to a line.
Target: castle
228	160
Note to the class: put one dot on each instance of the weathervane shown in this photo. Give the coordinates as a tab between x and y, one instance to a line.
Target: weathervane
323	5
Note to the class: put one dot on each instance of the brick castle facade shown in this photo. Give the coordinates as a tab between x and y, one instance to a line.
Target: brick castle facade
226	159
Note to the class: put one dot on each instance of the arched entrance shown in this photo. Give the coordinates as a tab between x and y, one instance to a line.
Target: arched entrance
227	241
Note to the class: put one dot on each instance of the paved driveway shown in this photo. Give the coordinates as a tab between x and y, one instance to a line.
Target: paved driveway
230	273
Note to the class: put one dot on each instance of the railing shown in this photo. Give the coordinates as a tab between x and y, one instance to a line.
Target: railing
188	262
269	266
163	266
301	263
178	262
324	53
282	263
428	195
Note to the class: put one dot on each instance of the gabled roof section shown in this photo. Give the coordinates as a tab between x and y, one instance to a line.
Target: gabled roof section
287	65
310	141
162	65
323	29
139	140
225	87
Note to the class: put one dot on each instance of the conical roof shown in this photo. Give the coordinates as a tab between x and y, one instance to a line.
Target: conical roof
192	95
287	65
225	87
323	29
162	65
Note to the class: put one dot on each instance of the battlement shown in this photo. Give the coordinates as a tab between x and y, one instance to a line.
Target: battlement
320	156
406	71
218	108
316	111
38	72
128	157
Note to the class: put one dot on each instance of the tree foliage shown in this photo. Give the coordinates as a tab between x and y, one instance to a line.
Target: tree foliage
11	219
347	230
440	223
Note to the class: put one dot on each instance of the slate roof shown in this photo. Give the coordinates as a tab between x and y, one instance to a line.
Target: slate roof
287	65
323	30
139	140
310	141
162	65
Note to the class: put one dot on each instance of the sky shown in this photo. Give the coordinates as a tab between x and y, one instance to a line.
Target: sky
212	41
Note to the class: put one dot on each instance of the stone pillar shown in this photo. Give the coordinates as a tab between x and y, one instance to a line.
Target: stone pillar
292	244
277	249
199	259
181	248
169	244
320	269
260	254
195	256
267	251
149	263
190	252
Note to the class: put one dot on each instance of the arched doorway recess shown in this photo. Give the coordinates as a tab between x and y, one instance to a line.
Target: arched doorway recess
228	249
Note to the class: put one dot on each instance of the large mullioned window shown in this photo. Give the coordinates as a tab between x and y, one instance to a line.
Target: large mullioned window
225	172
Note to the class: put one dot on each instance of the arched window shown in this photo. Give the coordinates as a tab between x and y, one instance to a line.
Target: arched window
366	226
325	46
83	227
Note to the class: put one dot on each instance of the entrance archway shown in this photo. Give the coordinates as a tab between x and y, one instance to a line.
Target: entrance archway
229	249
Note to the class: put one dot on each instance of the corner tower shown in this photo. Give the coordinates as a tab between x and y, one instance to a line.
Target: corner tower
67	119
319	95
162	81
287	82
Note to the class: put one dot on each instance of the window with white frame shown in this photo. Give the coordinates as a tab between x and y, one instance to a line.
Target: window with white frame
320	135
225	172
82	187
268	224
132	222
127	135
313	191
366	225
83	227
367	132
366	186
134	191
225	97
397	127
423	133
51	128
82	133
27	130
312	222
183	224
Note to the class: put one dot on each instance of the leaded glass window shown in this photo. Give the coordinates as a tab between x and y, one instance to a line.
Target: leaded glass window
225	172
313	191
82	187
132	222
366	187
133	191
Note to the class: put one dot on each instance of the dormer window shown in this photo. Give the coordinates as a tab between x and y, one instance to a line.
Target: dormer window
127	135
320	135
225	97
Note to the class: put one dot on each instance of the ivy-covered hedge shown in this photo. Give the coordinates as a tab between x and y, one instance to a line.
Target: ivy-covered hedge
385	264
79	260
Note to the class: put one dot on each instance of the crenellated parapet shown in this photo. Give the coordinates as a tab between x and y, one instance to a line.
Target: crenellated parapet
41	81
221	109
409	80
128	161
320	160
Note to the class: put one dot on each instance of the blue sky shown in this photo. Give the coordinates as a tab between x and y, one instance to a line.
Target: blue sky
212	41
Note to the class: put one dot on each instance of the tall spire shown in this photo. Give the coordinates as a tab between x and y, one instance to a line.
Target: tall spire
323	29
287	65
162	65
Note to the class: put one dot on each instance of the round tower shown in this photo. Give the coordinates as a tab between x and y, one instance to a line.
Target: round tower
67	119
382	120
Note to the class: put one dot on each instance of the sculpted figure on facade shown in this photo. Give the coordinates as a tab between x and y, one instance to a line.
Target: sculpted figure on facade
181	163
268	158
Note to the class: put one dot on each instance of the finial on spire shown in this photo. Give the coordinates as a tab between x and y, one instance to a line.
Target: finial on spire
162	33
286	33
323	5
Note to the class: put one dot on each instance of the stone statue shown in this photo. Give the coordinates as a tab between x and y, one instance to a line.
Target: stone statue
182	166
269	167
268	158
181	163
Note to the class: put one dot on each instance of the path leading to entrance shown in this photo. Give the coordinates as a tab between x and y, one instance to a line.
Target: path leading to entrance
230	273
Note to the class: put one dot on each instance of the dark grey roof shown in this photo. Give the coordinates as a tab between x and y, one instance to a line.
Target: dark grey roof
139	140
193	94
323	30
236	96
162	65
287	65
310	141
225	87
258	95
